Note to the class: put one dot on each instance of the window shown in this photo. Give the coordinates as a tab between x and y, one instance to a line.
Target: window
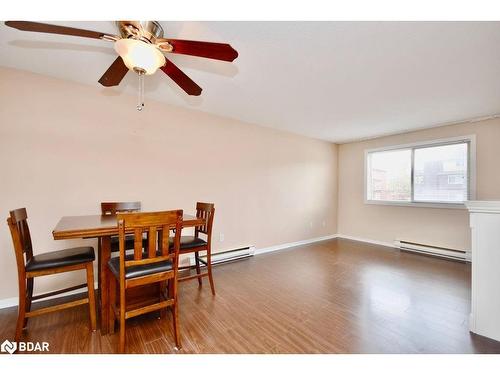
433	173
390	176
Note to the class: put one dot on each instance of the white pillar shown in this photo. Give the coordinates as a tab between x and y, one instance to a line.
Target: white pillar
485	307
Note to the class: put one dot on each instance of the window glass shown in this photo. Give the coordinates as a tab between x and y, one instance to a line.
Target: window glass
440	173
390	175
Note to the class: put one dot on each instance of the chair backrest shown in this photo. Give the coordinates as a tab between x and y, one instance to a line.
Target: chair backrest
157	225
112	208
205	211
21	238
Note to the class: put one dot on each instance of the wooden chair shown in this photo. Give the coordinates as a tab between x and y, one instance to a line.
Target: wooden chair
79	258
113	208
158	265
195	244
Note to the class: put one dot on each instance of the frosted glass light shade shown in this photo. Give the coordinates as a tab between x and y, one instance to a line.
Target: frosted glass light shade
140	55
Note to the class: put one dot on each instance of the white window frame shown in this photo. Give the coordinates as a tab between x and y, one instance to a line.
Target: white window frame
471	169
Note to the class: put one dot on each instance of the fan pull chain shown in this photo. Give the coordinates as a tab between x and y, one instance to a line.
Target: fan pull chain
140	103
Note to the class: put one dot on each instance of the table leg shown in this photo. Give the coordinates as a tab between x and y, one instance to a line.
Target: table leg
99	268
104	257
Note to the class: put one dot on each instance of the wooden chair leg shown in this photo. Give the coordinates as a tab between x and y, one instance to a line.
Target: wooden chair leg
175	318
122	319
112	302
21	314
29	297
91	295
209	268
198	269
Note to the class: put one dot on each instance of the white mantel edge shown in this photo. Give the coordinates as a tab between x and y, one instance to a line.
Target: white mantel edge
491	207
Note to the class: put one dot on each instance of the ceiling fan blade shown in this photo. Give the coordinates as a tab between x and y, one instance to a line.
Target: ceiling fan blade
178	76
115	73
217	51
55	29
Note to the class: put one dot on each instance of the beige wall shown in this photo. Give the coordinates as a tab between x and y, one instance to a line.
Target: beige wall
441	227
65	147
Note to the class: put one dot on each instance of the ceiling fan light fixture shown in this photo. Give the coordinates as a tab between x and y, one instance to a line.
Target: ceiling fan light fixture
140	45
140	56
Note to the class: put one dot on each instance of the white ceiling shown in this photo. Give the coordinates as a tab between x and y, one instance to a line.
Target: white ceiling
337	81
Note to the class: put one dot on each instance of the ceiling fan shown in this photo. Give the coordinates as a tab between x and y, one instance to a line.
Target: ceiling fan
140	47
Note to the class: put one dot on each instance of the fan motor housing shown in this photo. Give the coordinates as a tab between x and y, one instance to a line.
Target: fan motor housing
147	31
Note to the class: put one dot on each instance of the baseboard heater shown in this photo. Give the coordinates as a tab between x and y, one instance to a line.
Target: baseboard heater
436	251
227	256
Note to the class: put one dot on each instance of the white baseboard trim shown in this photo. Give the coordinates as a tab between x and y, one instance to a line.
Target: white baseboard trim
10	302
270	249
373	242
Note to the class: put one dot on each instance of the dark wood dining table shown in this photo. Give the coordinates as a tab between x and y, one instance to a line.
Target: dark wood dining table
102	227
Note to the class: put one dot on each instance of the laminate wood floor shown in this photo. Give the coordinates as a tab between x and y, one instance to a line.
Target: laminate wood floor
335	296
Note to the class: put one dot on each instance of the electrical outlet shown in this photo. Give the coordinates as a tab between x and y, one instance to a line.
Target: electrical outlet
221	237
311	224
323	223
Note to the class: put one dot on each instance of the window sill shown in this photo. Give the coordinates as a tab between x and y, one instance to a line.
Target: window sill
453	206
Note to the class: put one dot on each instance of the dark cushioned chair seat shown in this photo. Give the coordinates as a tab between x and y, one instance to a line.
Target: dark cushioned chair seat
129	243
66	257
138	271
188	242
